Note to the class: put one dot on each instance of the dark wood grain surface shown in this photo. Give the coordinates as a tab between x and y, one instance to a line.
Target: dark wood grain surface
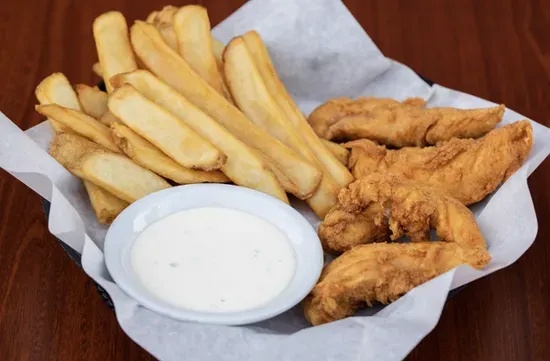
495	49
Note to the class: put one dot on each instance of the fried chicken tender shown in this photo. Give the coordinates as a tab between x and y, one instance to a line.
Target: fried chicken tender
347	225
414	208
466	169
397	124
382	272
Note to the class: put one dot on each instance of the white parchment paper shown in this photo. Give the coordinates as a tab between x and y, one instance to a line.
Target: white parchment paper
320	51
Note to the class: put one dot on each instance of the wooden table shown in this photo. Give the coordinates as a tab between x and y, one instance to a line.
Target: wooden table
496	49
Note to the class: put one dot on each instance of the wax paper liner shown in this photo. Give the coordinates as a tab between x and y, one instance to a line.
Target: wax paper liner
320	52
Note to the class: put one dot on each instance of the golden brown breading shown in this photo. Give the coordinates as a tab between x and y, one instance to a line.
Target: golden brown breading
381	272
347	225
413	208
466	169
390	122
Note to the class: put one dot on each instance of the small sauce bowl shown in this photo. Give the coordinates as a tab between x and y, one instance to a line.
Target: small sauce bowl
156	206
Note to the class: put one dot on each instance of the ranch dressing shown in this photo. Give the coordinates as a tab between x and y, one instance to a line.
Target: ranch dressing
213	260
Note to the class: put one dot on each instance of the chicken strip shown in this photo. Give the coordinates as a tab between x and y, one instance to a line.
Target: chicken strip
466	169
345	226
414	208
396	124
381	272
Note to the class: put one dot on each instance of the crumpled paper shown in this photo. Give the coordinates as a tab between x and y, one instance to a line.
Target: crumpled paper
320	52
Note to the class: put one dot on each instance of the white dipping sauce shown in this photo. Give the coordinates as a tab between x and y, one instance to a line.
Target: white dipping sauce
213	259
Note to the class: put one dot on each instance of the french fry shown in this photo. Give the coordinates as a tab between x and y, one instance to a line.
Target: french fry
151	17
164	130
79	123
92	100
341	153
257	49
282	178
110	171
217	50
148	156
192	28
108	118
96	68
57	89
253	98
163	21
172	69
106	206
244	166
113	46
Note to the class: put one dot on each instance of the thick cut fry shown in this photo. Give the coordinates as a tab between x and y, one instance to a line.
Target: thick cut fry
93	100
218	47
96	68
163	21
257	49
217	50
151	17
148	156
282	179
111	171
106	206
56	89
253	98
79	123
192	28
341	153
113	46
109	118
164	130
244	166
172	69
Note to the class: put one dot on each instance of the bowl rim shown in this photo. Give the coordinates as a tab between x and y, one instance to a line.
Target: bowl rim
307	250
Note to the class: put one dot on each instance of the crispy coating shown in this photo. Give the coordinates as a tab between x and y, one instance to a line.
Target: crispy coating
390	122
466	169
345	226
412	208
381	272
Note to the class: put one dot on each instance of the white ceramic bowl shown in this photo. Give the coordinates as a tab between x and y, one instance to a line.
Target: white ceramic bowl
139	215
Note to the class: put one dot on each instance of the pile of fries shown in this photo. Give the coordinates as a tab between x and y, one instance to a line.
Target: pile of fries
183	108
